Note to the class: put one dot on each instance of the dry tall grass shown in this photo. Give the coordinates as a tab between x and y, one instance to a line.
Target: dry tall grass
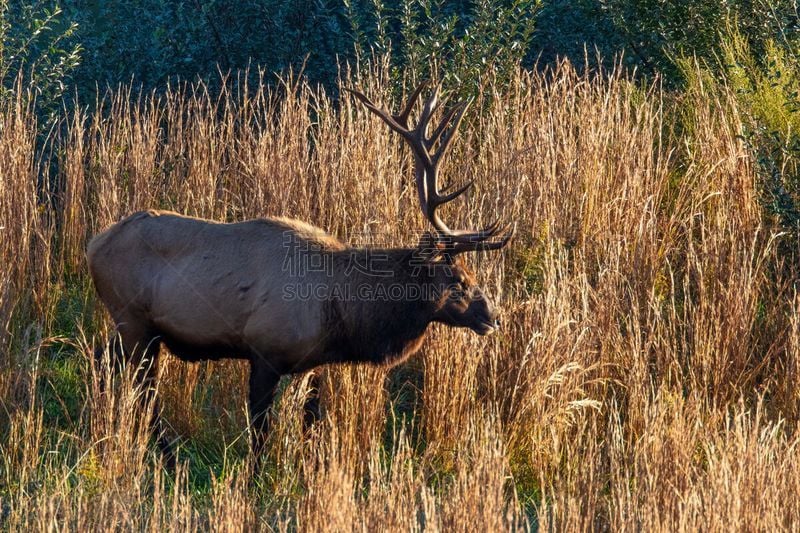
645	377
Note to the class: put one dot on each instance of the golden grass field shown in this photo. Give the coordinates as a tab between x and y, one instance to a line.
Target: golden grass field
645	377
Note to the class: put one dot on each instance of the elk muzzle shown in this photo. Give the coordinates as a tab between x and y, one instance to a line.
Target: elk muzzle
483	318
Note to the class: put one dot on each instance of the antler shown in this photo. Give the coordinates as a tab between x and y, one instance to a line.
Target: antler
426	168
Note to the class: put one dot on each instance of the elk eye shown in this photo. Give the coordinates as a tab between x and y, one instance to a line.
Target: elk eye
457	294
461	289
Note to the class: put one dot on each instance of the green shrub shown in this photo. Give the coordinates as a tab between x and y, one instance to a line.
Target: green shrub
767	85
463	43
37	50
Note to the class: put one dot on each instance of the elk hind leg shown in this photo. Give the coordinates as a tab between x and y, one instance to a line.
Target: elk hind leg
108	360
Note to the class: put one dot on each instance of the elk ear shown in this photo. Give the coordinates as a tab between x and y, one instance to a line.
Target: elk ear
432	247
428	245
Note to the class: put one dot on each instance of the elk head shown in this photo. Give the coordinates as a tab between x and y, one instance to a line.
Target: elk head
458	300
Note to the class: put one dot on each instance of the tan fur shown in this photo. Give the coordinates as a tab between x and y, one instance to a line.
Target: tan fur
211	284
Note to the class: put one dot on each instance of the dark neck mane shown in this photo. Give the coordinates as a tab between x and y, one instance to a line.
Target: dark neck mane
377	327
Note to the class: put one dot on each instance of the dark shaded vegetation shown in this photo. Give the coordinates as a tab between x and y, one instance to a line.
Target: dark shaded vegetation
91	43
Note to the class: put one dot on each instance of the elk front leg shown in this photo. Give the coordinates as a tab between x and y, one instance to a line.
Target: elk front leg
263	380
141	348
137	346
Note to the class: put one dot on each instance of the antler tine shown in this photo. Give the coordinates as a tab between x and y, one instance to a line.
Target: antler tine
431	104
492	228
456	115
445	121
481	235
402	117
456	193
390	120
434	197
482	245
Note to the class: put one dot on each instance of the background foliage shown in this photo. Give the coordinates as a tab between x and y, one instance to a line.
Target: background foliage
91	44
37	49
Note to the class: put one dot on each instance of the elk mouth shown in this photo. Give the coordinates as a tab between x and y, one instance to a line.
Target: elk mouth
485	327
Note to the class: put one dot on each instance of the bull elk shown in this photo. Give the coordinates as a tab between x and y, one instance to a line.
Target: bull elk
209	290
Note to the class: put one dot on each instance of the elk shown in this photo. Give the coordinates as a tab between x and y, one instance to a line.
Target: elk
208	290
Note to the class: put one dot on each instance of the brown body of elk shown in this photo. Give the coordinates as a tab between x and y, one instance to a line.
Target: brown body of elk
283	294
